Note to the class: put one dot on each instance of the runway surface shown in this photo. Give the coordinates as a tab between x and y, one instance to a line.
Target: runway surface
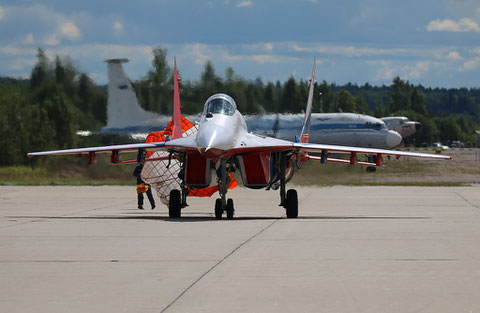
352	249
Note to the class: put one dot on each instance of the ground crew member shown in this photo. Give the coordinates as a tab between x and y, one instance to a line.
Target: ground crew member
142	186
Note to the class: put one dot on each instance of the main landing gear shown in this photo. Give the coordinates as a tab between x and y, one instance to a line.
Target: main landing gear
289	199
222	204
371	159
175	204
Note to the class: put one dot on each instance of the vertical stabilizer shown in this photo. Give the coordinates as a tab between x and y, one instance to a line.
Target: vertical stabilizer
304	135
177	113
123	109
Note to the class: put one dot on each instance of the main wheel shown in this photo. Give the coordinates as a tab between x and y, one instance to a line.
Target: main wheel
292	204
175	204
230	209
218	209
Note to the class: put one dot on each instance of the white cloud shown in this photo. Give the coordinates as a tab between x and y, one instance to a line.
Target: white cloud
22	64
70	30
349	51
256	58
28	39
245	3
105	51
454	55
388	71
470	65
463	25
51	40
199	52
117	27
16	50
2	13
262	46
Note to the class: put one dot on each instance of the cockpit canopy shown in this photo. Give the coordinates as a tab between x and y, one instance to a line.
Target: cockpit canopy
376	126
220	104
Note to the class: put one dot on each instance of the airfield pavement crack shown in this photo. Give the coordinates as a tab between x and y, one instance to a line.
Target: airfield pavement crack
218	263
67	214
467	201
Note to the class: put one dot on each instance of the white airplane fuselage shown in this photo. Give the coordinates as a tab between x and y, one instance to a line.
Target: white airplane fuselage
346	129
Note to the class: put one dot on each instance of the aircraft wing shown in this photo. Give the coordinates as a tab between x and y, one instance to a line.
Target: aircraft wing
104	149
253	143
318	148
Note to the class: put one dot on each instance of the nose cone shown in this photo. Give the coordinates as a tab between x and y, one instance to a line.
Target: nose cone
393	139
213	140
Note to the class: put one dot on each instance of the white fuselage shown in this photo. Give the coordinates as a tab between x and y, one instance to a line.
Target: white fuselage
221	128
220	132
346	129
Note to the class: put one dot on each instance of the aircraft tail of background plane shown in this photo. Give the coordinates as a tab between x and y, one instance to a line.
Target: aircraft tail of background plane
123	109
304	135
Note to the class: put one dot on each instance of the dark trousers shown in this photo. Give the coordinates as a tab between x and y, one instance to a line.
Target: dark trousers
150	198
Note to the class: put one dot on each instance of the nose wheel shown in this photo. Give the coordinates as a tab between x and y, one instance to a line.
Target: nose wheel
228	208
218	209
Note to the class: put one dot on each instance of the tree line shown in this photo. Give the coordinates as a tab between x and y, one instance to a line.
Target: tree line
44	111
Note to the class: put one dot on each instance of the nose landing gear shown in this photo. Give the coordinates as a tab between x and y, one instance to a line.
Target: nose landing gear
289	199
222	204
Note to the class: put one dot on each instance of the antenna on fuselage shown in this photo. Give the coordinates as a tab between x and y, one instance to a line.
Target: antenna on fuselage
308	111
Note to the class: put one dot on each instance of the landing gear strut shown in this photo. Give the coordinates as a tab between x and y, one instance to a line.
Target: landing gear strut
222	204
371	159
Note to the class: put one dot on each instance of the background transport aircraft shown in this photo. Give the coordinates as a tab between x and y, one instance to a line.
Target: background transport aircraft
347	129
401	125
222	145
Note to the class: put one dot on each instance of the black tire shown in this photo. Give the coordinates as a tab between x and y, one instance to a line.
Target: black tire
371	169
292	204
230	209
218	209
175	204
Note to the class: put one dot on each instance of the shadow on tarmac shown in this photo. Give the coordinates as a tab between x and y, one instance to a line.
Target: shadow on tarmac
190	219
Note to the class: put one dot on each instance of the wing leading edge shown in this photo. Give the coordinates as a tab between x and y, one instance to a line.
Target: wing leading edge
103	149
318	148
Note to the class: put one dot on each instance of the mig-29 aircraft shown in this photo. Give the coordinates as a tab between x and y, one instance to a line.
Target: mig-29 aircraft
222	145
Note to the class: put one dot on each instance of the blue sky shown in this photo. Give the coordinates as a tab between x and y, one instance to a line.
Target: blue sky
428	42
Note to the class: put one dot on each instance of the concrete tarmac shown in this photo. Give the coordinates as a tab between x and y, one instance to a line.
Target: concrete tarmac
352	249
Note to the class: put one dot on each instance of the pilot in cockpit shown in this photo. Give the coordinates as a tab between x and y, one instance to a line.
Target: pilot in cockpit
219	106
